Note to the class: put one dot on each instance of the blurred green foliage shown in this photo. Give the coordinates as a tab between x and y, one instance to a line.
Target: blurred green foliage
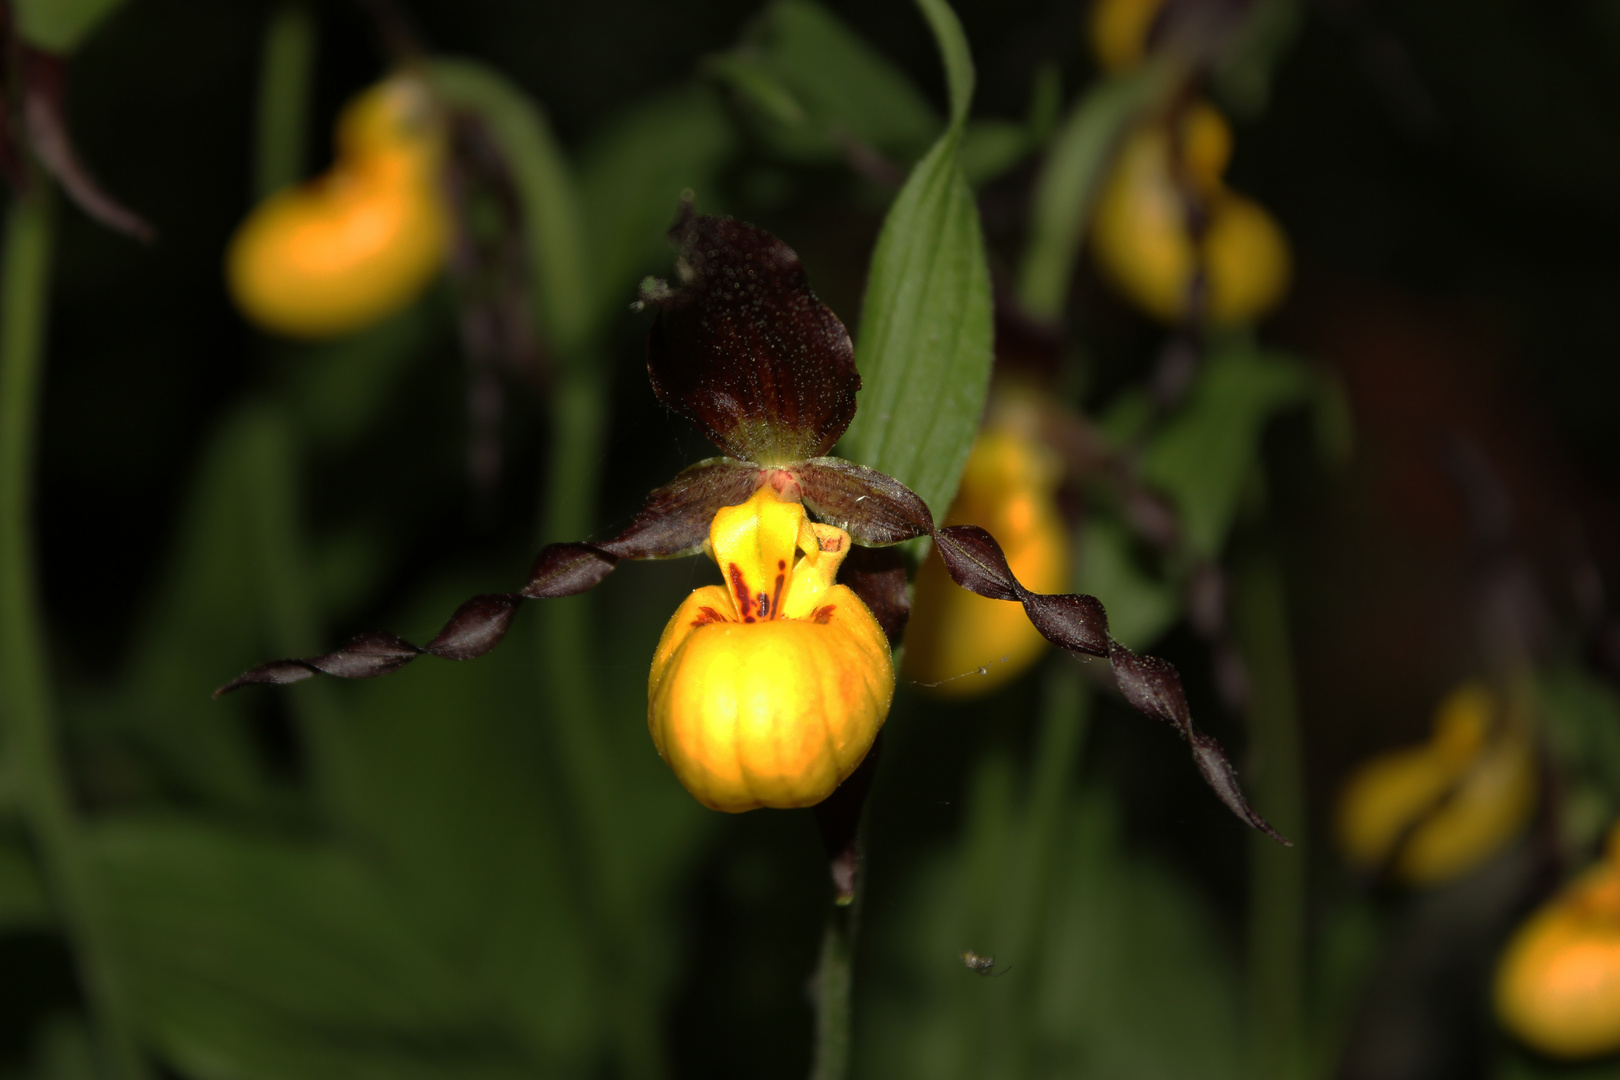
483	870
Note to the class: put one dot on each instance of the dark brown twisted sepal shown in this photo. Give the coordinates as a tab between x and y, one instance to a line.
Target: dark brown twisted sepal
876	510
744	349
1079	624
673	521
45	119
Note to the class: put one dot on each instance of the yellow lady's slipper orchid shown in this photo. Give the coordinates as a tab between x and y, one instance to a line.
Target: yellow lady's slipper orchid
1007	487
1119	29
1440	809
769	691
1558	983
1141	233
351	247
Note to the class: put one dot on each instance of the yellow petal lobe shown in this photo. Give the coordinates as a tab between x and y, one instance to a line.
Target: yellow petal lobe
1140	229
1558	982
1118	30
1442	808
769	690
352	246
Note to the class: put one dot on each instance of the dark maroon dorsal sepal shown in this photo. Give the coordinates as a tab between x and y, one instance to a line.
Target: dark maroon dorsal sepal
744	349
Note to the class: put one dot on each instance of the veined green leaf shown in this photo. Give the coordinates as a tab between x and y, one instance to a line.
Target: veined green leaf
58	26
553	224
1079	158
927	332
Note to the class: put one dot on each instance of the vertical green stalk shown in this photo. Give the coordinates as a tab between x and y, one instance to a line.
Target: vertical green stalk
284	87
1277	874
290	607
579	419
26	705
835	986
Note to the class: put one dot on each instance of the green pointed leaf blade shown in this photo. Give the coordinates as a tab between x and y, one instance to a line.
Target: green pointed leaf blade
1076	164
815	82
927	334
953	51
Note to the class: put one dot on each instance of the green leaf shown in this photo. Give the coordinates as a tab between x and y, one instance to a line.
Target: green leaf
991	147
1141	607
1206	453
1243	72
815	83
1076	164
927	332
341	388
442	771
59	26
307	929
63	1050
23	902
953	50
211	1033
1127	981
552	222
209	619
631	179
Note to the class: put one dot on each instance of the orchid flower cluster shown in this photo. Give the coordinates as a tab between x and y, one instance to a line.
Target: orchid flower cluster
769	689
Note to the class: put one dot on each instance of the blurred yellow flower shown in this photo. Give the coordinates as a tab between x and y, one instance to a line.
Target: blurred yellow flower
1558	983
1141	235
1118	30
1436	811
770	690
352	246
1007	488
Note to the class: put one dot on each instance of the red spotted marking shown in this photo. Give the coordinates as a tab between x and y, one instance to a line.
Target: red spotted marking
775	606
707	615
739	589
823	615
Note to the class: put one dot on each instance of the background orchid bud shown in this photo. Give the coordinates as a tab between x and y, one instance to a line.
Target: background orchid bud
1558	983
770	690
1435	811
1008	488
1143	234
358	243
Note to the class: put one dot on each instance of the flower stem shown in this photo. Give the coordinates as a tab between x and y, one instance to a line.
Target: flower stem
1277	874
284	86
835	984
26	705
